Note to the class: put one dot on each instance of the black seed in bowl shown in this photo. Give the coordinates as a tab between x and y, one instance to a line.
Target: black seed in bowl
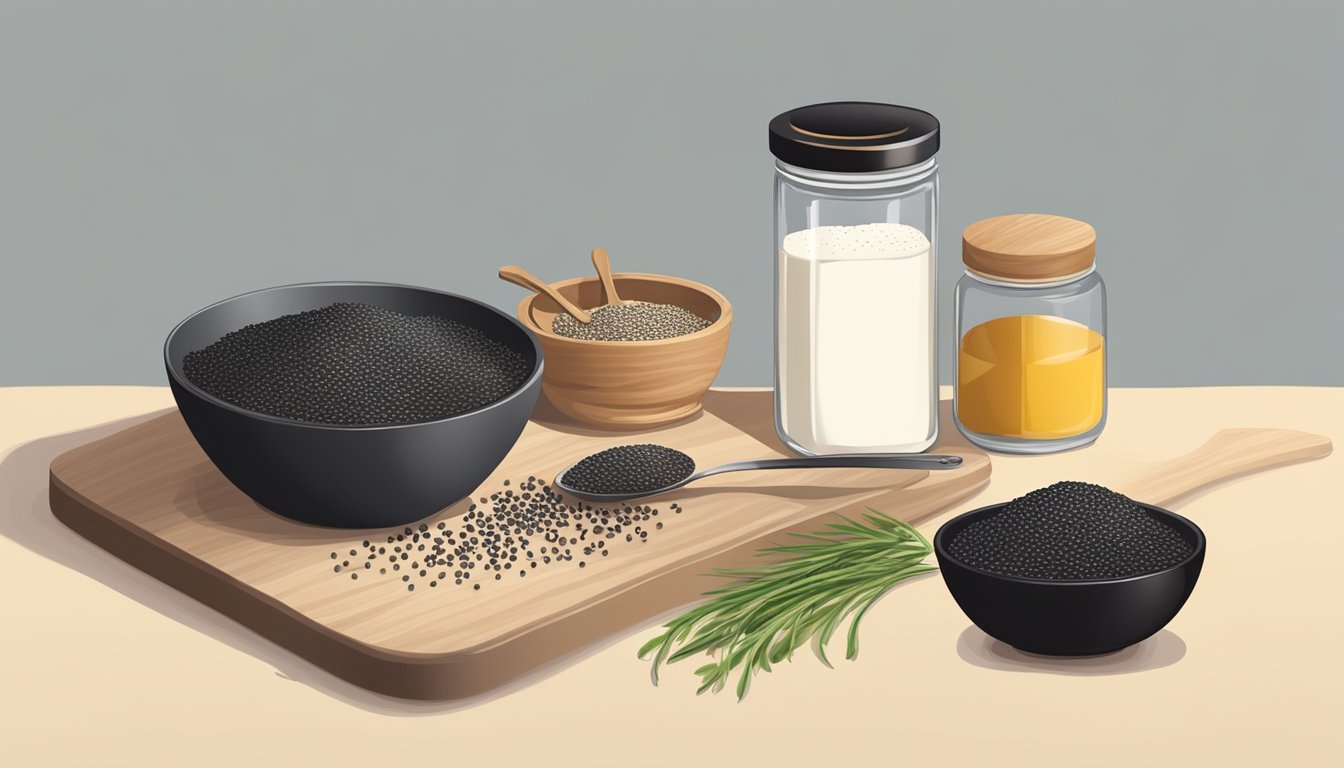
357	364
1070	531
629	469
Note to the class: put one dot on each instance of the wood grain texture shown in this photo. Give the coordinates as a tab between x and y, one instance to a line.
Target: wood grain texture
630	384
602	263
1229	453
1029	247
150	496
521	277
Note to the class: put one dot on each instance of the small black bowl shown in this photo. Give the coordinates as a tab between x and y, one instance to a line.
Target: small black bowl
351	476
1070	618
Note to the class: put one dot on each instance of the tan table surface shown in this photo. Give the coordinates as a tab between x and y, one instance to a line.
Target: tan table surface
102	665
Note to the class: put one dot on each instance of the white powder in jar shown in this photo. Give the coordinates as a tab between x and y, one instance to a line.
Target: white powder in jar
855	339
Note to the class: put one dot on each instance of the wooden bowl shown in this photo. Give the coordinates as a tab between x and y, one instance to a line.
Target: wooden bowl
630	384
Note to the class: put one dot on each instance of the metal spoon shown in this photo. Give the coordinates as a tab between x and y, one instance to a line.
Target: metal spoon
845	460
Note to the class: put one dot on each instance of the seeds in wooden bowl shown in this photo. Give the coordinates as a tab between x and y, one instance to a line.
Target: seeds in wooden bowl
633	321
1070	531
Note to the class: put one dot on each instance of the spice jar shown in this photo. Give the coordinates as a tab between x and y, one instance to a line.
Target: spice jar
1031	335
856	195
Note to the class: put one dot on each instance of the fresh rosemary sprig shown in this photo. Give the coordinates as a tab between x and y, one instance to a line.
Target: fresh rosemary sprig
769	611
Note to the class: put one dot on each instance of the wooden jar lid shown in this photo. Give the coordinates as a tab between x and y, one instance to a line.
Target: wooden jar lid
1029	247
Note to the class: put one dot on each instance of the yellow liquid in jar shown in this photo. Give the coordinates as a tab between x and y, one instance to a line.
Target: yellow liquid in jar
1031	377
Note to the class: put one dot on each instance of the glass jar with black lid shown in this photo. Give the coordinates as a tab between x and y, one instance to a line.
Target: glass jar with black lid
856	202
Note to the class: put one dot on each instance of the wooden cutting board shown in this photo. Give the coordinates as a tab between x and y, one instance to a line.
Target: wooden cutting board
150	496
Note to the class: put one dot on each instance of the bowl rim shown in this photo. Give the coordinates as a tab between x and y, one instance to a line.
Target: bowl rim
1196	553
524	316
179	377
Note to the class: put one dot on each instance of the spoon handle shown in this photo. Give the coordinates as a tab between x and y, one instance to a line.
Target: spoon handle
602	263
855	460
519	276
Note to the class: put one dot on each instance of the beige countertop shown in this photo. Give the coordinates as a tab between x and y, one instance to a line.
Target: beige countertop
102	665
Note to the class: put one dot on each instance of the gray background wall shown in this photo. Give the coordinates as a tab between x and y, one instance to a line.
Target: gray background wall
158	156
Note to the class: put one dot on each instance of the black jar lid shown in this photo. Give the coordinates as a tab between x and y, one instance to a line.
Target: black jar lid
854	136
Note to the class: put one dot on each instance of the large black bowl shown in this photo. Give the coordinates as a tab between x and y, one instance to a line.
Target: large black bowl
343	476
1070	618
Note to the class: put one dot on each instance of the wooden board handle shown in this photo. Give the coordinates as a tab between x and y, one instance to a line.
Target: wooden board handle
1229	453
519	276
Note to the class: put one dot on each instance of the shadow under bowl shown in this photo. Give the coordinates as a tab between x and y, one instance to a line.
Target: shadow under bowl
351	476
1070	618
626	385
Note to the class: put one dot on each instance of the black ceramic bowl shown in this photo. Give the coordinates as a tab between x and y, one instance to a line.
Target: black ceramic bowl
1070	618
351	476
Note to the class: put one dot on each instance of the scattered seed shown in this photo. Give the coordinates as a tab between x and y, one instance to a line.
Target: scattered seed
631	469
506	529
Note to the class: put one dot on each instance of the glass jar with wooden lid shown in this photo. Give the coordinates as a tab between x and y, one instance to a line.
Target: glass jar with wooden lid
1031	335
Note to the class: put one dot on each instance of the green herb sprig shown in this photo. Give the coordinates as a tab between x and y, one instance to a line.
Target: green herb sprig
770	611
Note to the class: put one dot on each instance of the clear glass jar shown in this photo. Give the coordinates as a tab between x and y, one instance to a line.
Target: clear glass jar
856	199
1031	335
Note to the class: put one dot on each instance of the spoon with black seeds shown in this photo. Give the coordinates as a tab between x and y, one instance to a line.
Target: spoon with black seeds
633	471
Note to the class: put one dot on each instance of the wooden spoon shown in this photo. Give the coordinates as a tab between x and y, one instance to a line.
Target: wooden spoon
519	276
602	262
1229	453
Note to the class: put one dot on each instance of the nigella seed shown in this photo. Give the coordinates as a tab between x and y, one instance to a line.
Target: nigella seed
499	533
640	468
1070	531
366	364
